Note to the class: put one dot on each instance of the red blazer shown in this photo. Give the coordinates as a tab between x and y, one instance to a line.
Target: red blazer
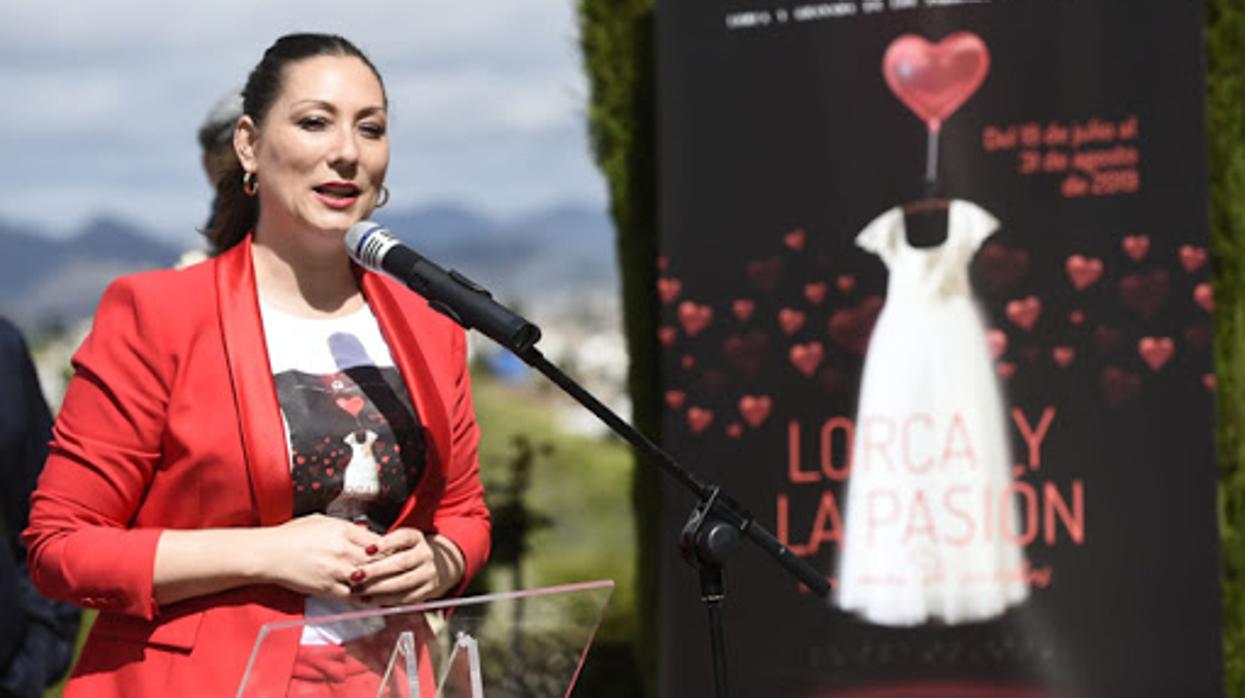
171	421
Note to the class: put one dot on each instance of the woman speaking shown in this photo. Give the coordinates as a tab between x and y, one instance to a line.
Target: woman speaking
271	434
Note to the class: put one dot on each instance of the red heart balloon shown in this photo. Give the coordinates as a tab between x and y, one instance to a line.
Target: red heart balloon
933	80
353	404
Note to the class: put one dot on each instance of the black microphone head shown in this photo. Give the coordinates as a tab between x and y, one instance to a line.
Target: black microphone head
368	243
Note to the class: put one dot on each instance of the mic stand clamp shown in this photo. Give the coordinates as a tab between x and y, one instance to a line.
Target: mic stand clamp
707	543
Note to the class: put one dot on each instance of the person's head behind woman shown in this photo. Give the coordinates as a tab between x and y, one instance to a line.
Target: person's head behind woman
311	143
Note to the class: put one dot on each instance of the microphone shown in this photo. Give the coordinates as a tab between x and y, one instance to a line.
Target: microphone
450	293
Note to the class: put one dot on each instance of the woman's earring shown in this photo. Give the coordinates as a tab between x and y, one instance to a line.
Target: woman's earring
383	198
250	183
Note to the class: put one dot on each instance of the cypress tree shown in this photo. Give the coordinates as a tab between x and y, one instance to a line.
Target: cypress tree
616	37
1225	127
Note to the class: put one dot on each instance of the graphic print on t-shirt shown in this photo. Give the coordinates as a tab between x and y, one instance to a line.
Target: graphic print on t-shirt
356	447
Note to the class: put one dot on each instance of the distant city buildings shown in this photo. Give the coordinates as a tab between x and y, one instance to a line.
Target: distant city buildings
581	333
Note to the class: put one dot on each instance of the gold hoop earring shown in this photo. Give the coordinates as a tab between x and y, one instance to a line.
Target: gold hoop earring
383	198
250	183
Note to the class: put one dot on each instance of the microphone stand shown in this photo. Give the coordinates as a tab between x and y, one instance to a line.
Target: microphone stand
717	522
714	528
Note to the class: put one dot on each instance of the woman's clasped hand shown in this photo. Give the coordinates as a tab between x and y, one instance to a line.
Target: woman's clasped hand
326	556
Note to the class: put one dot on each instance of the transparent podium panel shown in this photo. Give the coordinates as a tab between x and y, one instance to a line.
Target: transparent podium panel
517	644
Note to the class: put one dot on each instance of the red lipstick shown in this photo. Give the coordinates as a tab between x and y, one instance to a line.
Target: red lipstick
337	194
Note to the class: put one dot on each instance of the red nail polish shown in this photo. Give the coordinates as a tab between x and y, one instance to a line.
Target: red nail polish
357	576
371	549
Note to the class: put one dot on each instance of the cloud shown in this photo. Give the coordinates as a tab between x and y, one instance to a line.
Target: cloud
478	100
103	100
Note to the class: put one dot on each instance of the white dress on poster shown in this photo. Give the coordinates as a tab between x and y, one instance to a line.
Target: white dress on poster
930	529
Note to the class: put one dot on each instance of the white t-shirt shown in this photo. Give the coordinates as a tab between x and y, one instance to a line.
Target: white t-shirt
356	445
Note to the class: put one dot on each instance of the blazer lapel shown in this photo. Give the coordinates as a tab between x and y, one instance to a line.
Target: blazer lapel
254	393
416	373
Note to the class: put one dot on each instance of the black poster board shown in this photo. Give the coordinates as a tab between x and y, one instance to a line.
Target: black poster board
1031	445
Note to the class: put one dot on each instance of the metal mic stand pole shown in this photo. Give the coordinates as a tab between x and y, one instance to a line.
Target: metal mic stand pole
713	530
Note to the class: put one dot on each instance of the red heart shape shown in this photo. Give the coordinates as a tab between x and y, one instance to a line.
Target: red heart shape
850	328
1076	317
1204	295
1136	246
353	405
790	320
694	318
1063	356
688	362
1145	293
1001	267
806	357
1106	338
933	80
755	408
1208	380
1024	313
699	419
663	263
1156	351
1083	271
997	342
1119	385
815	293
675	398
746	353
669	289
1192	257
845	282
794	240
765	273
742	308
666	335
1005	369
734	430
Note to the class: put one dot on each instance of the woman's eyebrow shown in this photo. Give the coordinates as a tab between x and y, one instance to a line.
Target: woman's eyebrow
331	107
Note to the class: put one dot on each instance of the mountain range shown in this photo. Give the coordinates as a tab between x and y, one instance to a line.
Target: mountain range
48	282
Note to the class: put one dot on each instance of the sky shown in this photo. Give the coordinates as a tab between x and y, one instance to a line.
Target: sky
102	100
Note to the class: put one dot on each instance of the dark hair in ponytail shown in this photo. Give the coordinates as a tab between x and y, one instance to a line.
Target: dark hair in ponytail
235	213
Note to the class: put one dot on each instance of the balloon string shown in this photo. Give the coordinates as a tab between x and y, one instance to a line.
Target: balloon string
931	157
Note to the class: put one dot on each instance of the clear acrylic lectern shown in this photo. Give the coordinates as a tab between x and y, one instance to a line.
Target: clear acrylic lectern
517	644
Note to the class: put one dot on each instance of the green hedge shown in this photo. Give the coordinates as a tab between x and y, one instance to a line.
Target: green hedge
617	42
1225	121
616	37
